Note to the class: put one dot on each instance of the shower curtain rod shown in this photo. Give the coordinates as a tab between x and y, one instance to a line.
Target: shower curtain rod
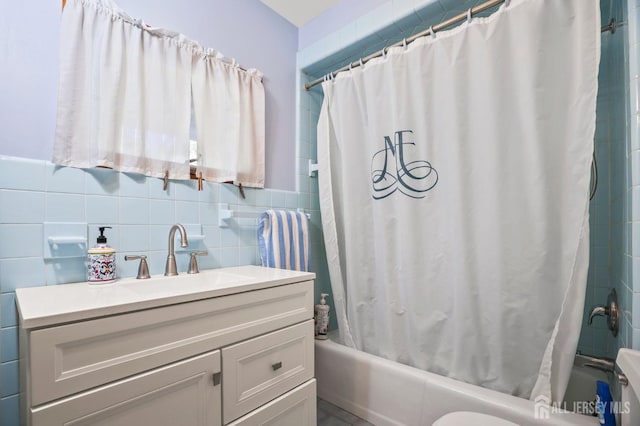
432	30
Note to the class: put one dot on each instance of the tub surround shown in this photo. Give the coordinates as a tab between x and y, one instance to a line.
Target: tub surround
231	346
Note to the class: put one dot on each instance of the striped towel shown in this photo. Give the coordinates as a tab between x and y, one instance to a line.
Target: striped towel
283	239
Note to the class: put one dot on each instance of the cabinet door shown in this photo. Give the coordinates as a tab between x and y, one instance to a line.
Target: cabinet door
295	408
185	393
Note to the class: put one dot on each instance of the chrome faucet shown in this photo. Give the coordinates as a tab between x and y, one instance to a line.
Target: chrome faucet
170	267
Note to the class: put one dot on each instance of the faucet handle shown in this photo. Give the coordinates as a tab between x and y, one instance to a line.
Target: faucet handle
597	311
143	268
193	263
611	310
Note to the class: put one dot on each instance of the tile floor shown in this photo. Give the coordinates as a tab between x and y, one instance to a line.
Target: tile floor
330	415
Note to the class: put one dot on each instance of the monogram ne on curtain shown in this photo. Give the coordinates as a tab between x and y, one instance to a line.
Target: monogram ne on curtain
413	178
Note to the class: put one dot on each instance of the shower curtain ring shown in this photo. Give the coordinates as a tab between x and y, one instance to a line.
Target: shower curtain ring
469	15
507	3
433	33
404	42
361	63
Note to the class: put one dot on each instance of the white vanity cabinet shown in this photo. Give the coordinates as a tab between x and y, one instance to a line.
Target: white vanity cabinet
228	346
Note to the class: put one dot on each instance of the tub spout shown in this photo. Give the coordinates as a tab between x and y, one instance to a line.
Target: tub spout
599	367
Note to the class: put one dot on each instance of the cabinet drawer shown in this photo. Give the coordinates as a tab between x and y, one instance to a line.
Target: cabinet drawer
182	393
261	369
74	357
295	408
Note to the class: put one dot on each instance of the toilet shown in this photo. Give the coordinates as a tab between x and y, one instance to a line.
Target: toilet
460	418
627	361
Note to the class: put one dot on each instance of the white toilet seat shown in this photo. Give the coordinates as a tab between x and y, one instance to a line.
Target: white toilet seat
464	418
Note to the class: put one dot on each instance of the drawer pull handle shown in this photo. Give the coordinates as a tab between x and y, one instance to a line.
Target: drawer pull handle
216	378
276	366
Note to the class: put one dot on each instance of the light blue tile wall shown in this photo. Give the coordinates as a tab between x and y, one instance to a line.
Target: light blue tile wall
309	109
606	269
610	229
38	199
631	182
9	407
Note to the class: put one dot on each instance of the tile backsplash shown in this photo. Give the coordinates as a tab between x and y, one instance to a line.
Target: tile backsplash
42	204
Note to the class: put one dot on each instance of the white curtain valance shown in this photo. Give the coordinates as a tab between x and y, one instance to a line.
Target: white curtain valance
125	99
229	115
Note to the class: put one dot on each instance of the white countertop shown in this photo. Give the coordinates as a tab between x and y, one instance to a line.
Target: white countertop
56	304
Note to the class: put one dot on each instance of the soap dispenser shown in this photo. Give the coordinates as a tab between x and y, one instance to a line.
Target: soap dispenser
322	318
102	261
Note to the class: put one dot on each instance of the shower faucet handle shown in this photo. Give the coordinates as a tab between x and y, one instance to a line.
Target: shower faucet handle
597	311
610	310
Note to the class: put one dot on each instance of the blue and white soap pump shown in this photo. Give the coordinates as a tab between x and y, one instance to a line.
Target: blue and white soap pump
102	261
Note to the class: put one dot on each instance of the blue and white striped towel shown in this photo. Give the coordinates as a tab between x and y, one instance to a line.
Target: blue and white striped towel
283	239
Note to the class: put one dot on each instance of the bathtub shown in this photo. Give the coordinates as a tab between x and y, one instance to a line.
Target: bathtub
384	392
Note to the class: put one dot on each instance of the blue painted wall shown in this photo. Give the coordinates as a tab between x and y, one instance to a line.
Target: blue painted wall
243	29
341	14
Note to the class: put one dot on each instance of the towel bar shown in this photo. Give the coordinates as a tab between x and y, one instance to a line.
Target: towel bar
225	214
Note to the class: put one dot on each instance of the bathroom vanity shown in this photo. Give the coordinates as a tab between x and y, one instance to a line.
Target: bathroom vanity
226	346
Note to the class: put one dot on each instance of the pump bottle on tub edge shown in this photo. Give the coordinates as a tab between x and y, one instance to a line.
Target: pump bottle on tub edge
321	317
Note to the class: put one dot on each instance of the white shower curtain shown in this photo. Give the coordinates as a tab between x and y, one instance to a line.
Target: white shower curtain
454	182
